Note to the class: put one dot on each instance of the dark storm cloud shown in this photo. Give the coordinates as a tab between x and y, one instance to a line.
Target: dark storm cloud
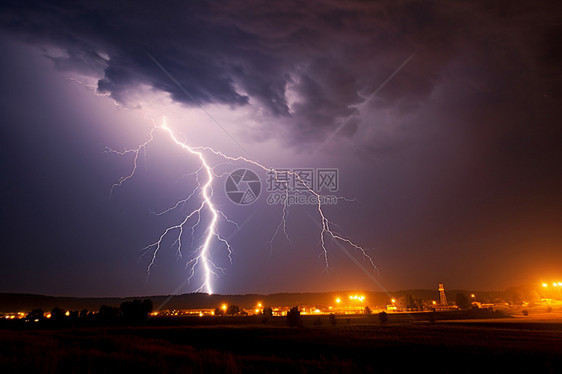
328	55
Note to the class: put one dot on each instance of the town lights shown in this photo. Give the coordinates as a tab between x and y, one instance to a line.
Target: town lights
338	300
554	284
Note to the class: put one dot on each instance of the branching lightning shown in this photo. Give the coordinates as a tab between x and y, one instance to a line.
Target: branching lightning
201	260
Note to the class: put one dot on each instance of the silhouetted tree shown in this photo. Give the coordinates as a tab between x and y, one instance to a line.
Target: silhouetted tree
409	302
461	300
267	312
136	311
332	318
368	310
108	313
35	314
383	317
84	313
232	310
57	314
515	296
294	317
219	312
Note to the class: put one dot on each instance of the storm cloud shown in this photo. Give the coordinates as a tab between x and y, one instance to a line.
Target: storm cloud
309	64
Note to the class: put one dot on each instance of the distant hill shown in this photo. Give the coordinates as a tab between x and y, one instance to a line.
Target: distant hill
11	302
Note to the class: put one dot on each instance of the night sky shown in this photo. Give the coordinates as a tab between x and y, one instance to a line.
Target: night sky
443	120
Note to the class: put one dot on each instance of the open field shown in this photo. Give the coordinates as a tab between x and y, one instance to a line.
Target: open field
241	345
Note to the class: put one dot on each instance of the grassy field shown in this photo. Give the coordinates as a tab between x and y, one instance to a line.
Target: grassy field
248	345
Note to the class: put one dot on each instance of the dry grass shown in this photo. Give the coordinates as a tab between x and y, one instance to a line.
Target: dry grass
359	346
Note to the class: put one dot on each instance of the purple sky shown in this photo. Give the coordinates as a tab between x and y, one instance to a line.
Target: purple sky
454	163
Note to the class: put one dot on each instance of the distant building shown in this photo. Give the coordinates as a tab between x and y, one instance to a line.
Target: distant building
442	296
443	304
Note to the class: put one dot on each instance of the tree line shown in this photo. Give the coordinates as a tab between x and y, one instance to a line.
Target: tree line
129	312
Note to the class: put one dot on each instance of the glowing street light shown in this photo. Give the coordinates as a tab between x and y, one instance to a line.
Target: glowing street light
472	295
223	307
393	301
555	284
338	300
259	305
545	285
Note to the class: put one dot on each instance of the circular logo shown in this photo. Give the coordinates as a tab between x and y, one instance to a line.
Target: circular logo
242	186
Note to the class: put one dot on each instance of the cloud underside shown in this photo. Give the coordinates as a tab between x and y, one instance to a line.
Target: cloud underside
310	65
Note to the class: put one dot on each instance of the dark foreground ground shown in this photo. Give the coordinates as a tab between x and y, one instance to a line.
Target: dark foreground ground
351	346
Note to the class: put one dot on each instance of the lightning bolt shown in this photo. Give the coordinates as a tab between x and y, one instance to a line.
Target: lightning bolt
202	260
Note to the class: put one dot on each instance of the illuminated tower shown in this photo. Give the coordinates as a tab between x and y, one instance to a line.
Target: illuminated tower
442	297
